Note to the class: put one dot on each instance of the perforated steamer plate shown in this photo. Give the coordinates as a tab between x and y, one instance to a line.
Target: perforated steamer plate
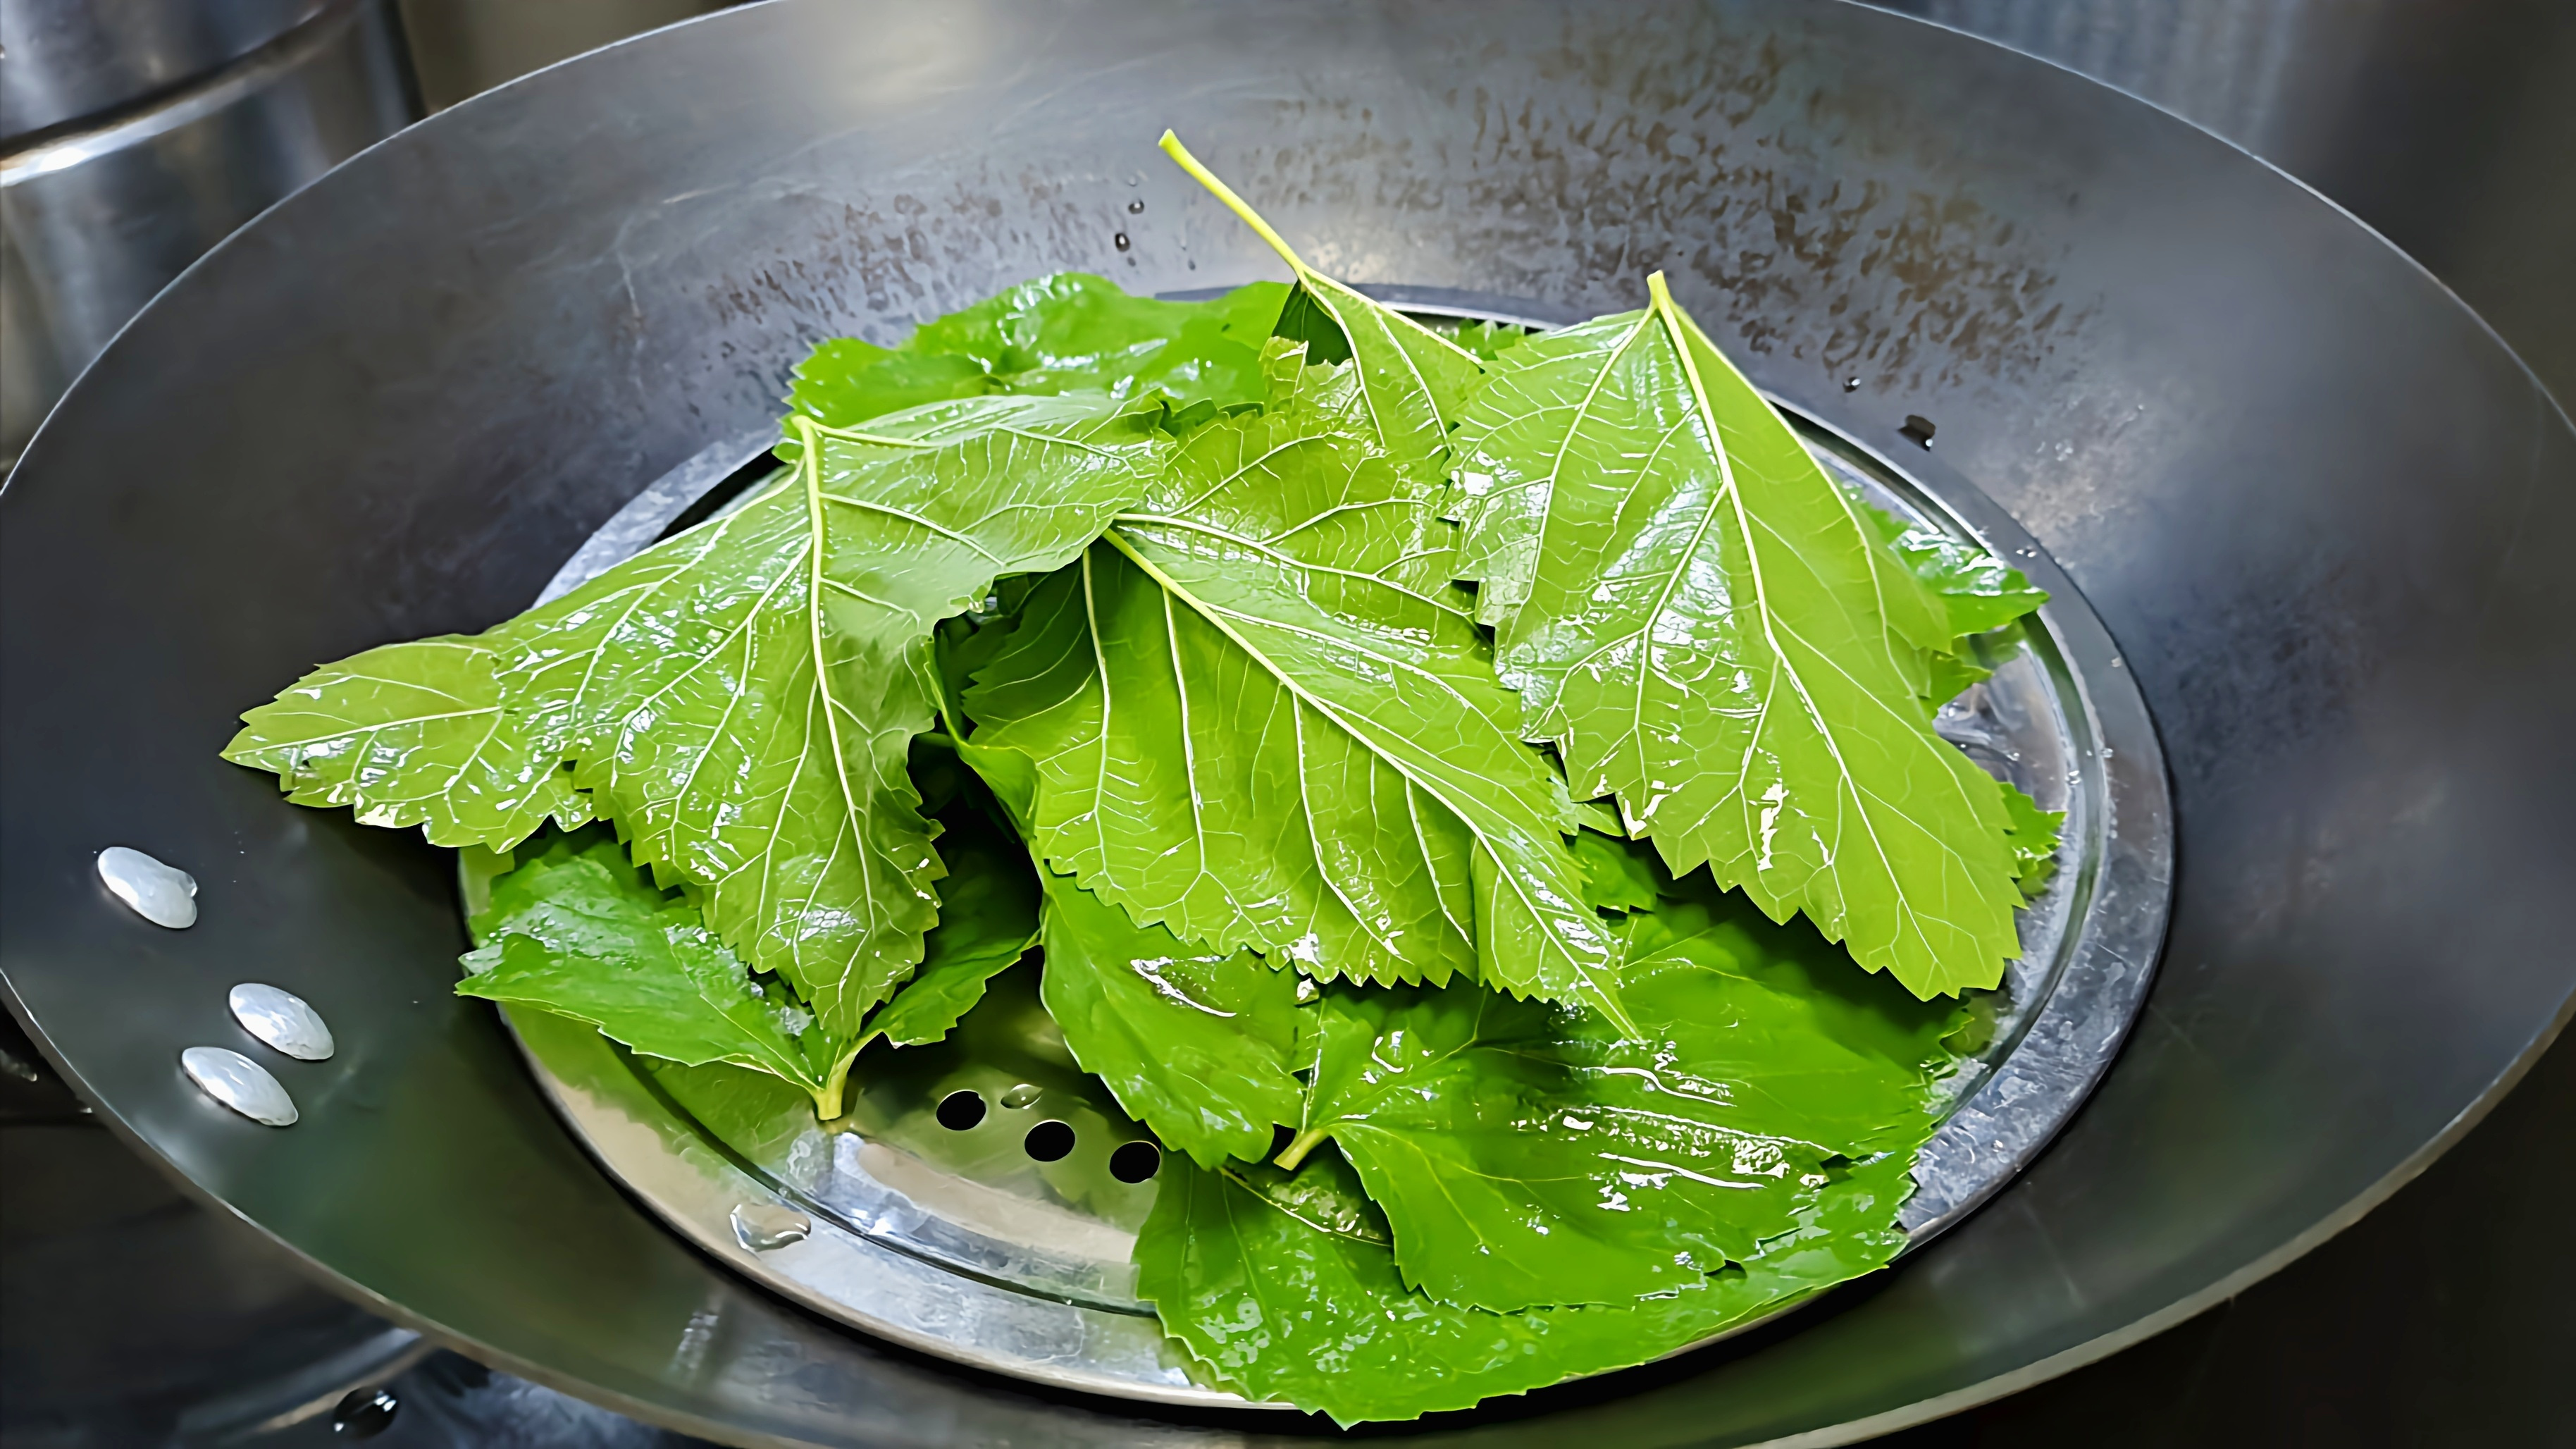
957	1241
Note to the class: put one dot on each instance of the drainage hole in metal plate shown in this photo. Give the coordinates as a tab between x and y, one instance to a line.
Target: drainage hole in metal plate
363	1413
1049	1140
1135	1161
959	1111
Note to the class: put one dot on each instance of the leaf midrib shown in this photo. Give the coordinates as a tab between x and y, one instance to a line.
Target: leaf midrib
1221	620
1663	307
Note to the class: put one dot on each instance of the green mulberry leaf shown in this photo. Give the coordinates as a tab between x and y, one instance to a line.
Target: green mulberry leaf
742	697
1069	332
745	702
579	931
2034	840
1526	1155
1778	1026
1415	382
1617	876
1257	714
988	920
412	734
1276	1284
1979	593
1199	1045
1710	629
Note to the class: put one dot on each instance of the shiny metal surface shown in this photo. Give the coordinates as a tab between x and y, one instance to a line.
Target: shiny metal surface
1040	1261
239	1083
857	1260
62	60
162	894
128	1317
2300	484
766	1227
100	208
281	1019
2445	127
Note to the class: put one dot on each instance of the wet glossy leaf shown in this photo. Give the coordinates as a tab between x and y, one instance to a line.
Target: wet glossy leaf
1978	594
412	734
1525	1155
1063	333
1257	714
1260	1282
742	697
1617	874
1978	591
580	932
686	688
988	919
2034	840
1771	1021
1706	626
1197	1044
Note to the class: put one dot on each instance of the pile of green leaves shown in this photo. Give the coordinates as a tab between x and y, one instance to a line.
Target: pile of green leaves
1475	795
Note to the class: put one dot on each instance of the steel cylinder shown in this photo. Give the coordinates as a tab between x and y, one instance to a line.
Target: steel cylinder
135	134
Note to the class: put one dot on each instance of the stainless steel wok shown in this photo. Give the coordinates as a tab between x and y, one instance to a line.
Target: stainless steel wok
2313	500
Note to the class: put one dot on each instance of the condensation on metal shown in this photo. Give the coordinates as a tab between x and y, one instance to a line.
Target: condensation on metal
239	1083
767	1227
162	894
283	1020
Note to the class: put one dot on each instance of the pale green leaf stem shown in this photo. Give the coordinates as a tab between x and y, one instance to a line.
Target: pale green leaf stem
1415	382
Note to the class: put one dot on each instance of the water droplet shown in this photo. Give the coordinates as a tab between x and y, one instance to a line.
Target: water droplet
239	1083
1851	384
1919	428
281	1019
1020	1096
1049	1141
959	1111
161	894
1136	207
364	1413
1135	1161
767	1226
1120	241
